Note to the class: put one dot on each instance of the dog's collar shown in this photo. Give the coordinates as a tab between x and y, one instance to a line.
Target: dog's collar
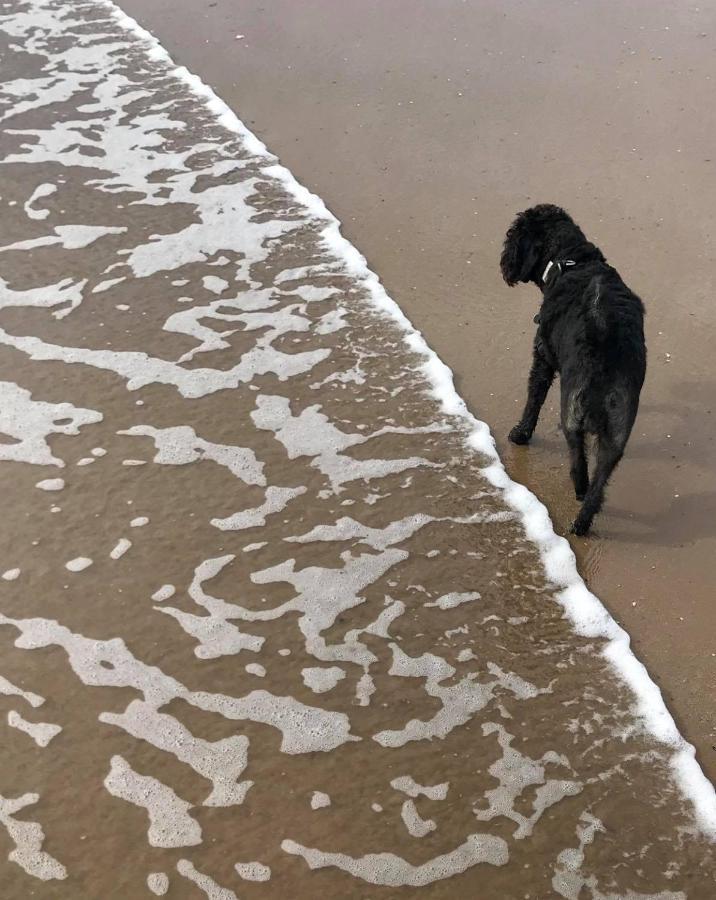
558	265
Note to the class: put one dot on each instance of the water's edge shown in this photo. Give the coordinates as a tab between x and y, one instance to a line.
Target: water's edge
584	610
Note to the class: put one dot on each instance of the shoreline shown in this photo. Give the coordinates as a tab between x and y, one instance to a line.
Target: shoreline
374	121
587	613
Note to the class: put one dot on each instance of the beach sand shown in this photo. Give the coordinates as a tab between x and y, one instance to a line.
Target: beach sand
274	621
425	127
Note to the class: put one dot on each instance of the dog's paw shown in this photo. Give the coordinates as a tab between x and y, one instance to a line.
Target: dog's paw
580	527
519	435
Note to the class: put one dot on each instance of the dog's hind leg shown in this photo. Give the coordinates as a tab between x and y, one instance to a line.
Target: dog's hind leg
573	428
578	470
540	381
609	453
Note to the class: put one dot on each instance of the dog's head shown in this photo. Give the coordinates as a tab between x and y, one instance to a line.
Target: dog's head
533	238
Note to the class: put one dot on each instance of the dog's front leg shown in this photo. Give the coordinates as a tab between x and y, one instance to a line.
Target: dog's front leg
538	385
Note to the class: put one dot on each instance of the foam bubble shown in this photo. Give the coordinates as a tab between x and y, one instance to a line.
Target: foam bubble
413	821
205	883
311	433
320	680
347	529
408	785
51	484
276	500
106	285
517	774
214	284
390	870
65	294
42	190
215	635
41	732
28	838
139	369
30	422
460	701
158	883
170	824
319	800
120	548
69	237
78	564
253	871
12	690
180	445
450	601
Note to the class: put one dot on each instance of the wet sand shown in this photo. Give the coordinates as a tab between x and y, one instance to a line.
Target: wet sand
270	620
425	127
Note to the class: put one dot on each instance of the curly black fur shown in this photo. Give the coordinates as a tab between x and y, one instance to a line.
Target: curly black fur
591	331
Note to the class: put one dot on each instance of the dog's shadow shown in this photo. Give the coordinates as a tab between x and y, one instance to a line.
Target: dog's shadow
691	431
690	423
699	450
679	521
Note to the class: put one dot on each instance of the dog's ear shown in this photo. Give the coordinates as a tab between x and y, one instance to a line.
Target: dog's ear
520	253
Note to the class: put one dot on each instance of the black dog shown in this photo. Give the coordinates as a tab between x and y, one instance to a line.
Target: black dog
591	331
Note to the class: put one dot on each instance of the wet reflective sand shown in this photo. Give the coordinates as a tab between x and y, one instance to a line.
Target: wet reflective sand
268	628
425	128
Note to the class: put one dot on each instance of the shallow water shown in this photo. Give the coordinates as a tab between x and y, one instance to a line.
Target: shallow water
294	637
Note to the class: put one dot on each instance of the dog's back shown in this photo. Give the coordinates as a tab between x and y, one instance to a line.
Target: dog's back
594	326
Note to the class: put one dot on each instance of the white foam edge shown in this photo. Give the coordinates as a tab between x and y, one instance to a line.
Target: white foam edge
585	611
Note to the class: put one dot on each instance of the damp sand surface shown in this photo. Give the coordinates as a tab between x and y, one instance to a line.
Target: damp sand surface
425	128
285	626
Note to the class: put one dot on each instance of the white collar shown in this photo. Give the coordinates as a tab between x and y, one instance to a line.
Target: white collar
557	265
546	272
